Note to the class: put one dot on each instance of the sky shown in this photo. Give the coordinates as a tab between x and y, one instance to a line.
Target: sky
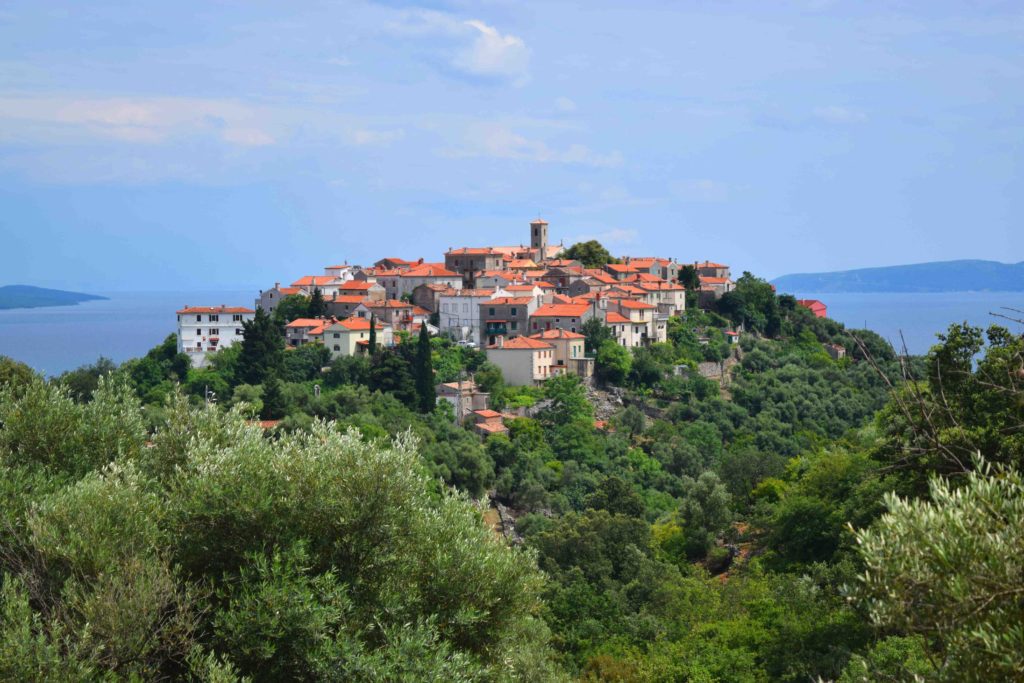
227	144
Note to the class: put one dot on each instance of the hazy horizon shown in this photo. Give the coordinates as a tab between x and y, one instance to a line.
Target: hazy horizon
207	145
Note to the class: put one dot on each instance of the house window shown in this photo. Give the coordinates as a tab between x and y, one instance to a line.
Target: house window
240	332
490	311
515	325
336	347
214	318
199	346
573	328
199	318
199	330
513	311
236	318
214	330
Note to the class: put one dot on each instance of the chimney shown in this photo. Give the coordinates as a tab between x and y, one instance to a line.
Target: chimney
501	341
277	285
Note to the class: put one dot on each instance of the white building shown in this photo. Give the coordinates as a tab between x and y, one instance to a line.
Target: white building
459	312
203	330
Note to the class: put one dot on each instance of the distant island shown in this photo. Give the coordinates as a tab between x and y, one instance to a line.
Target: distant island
27	296
940	276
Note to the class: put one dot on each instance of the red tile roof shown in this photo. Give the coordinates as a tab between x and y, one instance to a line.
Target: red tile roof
618	318
714	280
636	305
561	311
487	413
557	334
214	309
509	301
356	285
520	343
314	280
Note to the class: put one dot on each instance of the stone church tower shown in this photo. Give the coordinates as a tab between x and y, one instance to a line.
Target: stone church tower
539	238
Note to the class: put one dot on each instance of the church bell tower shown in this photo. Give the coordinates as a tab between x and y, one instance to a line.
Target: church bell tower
539	238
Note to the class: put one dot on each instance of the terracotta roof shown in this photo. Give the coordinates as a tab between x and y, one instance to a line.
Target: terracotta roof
543	285
510	301
357	324
288	291
299	323
714	280
636	305
491	427
347	299
314	280
357	285
522	263
487	413
709	264
214	309
644	277
519	288
520	343
618	318
560	311
470	292
477	251
388	303
621	267
557	334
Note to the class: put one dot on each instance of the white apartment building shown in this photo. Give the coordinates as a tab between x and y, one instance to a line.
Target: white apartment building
203	330
459	312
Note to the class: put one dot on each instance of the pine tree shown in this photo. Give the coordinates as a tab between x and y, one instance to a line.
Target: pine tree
424	371
317	305
262	349
373	334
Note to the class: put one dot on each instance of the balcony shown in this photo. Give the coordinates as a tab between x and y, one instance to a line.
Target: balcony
496	328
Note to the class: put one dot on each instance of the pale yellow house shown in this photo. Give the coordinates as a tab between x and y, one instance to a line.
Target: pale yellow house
352	335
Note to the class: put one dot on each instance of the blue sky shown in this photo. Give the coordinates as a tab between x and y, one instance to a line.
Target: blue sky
220	144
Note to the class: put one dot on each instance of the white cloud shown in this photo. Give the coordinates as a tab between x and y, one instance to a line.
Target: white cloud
699	190
837	114
493	54
145	120
479	49
375	137
564	104
501	142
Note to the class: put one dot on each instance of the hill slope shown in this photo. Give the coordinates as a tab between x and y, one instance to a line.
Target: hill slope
27	296
940	276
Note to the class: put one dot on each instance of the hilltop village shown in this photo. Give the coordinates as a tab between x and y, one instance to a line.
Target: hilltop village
526	307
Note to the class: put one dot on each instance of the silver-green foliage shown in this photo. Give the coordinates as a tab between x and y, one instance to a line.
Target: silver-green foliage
952	570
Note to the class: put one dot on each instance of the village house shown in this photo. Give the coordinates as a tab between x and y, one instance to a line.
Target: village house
342	305
459	314
203	330
816	307
505	317
709	269
464	397
569	355
559	316
352	335
468	261
713	288
394	264
400	315
268	299
366	289
665	269
428	296
327	284
523	361
495	279
620	271
425	274
668	297
588	285
562	278
489	422
342	272
302	331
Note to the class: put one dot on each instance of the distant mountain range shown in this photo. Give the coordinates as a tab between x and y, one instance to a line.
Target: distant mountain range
27	296
941	276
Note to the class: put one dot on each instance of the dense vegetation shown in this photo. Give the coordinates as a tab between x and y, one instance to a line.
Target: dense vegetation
152	529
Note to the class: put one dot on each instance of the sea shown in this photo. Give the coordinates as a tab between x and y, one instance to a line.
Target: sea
126	325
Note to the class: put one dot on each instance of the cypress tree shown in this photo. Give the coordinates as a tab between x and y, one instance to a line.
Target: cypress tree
317	305
424	373
274	403
373	334
262	349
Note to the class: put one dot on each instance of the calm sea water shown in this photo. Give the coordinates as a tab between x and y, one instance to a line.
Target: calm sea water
919	317
128	324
